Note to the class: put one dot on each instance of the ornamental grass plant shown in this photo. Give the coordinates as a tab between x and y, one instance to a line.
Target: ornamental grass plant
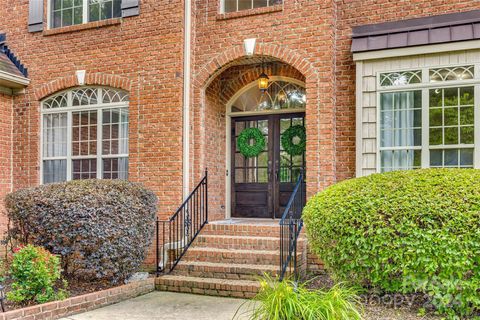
287	300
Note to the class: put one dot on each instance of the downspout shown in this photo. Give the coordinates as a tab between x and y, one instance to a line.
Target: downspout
186	96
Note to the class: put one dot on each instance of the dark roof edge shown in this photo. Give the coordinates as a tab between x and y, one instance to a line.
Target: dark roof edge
431	22
6	50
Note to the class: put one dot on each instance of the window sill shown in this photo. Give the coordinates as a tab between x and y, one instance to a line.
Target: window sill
85	26
249	12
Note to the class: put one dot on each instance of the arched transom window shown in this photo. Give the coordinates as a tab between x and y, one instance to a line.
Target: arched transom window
279	95
85	135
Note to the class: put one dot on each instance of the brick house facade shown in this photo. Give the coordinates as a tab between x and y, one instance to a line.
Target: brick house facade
143	54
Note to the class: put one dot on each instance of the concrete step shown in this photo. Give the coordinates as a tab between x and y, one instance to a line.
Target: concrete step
235	256
208	286
224	270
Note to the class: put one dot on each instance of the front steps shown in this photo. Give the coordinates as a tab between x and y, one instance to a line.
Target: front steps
227	259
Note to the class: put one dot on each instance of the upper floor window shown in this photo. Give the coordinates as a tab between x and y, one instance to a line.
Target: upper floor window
71	12
238	5
85	135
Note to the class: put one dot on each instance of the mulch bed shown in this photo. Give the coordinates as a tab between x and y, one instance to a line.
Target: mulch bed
382	306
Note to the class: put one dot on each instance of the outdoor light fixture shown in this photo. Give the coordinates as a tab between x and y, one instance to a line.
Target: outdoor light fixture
2	297
263	80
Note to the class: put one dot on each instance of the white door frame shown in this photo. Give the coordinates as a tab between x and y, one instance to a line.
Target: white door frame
228	125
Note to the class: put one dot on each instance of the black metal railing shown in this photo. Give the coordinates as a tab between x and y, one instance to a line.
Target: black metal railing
175	235
290	227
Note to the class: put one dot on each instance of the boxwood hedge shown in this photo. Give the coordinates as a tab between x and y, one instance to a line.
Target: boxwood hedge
102	229
404	231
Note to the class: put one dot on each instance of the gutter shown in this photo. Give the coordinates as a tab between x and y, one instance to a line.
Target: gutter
14	79
186	96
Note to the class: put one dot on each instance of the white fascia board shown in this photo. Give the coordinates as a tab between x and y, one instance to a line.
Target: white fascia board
412	51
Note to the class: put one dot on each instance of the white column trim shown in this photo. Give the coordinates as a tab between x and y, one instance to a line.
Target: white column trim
186	96
359	118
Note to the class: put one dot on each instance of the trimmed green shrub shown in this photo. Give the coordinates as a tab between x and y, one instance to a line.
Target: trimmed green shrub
34	272
404	231
102	229
286	300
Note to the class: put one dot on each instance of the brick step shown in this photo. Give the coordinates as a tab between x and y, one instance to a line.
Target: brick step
238	242
241	230
224	270
208	286
236	256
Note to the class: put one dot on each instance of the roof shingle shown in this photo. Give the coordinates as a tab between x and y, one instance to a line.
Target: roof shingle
420	31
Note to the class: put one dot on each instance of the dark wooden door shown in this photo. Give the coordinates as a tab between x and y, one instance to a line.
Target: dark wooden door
261	186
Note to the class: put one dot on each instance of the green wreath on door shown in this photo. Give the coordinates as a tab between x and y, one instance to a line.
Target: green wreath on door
243	142
289	145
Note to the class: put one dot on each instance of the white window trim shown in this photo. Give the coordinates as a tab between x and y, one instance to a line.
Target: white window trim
84	15
425	86
70	110
222	6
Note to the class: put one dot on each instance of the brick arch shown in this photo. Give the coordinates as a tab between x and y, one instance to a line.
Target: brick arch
236	78
101	79
226	59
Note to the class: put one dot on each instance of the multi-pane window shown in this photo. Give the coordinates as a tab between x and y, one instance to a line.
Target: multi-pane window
430	124
451	127
85	135
66	12
104	9
400	130
238	5
71	12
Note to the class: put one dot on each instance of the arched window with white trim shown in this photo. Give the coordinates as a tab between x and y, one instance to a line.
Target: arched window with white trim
85	135
281	94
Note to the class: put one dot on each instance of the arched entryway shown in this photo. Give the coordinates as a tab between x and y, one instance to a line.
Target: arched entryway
260	180
230	96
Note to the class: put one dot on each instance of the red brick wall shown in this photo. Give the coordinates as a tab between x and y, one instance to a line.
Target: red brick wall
217	95
142	54
6	104
300	34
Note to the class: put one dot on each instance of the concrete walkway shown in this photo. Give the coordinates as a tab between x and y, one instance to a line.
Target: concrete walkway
167	306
